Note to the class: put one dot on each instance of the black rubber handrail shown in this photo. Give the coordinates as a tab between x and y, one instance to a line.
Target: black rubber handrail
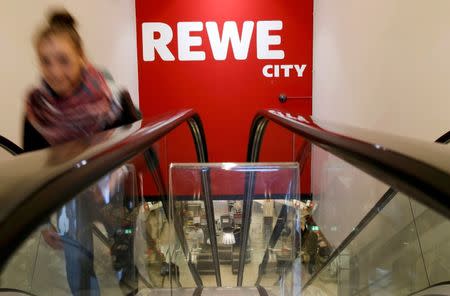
405	164
34	185
430	288
444	139
10	146
9	291
417	168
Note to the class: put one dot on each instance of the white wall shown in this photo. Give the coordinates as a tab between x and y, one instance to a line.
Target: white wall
383	64
109	34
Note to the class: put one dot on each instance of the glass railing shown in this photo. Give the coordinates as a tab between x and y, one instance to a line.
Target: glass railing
400	247
404	249
99	211
360	236
328	210
266	193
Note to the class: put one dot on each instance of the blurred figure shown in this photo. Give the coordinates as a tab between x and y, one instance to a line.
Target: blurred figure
74	100
311	246
198	237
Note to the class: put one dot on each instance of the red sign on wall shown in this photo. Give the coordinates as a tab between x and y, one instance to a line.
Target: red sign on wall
225	59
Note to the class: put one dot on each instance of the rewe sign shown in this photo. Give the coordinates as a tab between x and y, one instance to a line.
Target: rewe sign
226	60
156	37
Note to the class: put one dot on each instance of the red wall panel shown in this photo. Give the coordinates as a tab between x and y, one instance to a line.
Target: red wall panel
226	93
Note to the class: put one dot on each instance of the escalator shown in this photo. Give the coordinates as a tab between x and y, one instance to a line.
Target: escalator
125	213
363	236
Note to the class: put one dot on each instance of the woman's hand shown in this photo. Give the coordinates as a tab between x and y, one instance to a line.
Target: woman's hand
52	238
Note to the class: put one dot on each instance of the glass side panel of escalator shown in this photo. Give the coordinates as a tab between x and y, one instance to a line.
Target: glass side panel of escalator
399	245
273	202
112	238
115	238
403	250
63	256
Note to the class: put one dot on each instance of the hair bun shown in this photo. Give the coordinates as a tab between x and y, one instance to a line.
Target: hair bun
62	18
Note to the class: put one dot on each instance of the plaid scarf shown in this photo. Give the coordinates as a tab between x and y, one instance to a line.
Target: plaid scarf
60	119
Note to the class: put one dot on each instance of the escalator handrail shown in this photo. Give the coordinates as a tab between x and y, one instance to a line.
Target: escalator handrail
377	208
399	163
10	146
312	131
33	185
444	139
417	168
432	289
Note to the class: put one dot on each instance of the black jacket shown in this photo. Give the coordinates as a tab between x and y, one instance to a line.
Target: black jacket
33	140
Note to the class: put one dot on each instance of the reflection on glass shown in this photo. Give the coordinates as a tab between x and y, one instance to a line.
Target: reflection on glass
434	237
86	246
274	227
150	243
384	259
114	236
